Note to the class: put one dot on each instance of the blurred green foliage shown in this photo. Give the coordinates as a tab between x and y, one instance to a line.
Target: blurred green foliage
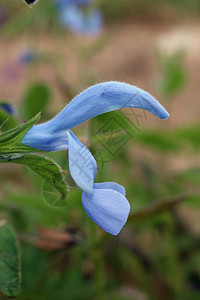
46	16
36	100
7	121
9	261
173	77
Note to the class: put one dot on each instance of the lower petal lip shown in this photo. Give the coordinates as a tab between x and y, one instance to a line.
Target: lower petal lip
108	208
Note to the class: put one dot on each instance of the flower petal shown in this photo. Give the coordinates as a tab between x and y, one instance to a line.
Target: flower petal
28	57
41	138
96	100
102	98
7	107
107	208
112	186
63	3
72	17
82	164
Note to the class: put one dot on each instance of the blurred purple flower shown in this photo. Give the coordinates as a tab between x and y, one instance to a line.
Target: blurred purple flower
14	69
73	16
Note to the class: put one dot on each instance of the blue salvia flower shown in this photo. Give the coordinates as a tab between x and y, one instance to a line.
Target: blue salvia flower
72	16
8	108
105	203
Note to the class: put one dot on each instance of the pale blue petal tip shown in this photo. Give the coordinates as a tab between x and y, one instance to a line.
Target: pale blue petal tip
108	208
166	115
82	164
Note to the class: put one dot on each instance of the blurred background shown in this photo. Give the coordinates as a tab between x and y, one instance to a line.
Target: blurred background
49	54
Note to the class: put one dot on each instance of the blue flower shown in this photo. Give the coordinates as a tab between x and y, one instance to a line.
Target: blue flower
8	108
64	3
105	203
72	16
27	57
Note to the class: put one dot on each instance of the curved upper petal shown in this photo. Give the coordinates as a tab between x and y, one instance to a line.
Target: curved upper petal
102	98
82	164
107	208
94	101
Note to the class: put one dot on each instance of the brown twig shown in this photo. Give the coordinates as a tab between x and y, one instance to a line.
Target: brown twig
157	207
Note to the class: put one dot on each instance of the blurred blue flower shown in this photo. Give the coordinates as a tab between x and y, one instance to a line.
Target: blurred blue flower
63	3
105	203
27	57
8	108
75	18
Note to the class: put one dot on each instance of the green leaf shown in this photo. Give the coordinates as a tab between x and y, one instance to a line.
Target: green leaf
189	135
36	99
7	121
45	167
9	261
173	77
10	140
158	139
191	175
113	130
118	121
